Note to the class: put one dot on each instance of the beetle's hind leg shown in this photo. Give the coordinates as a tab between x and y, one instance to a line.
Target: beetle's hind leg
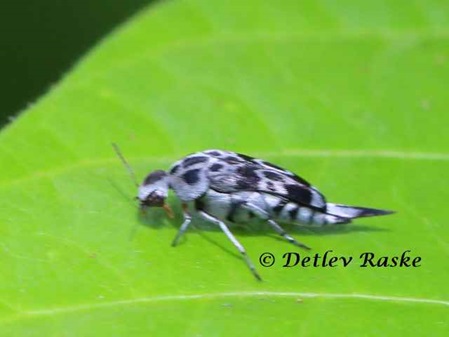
262	214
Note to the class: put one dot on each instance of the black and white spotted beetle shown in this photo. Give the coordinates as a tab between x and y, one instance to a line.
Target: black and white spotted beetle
221	186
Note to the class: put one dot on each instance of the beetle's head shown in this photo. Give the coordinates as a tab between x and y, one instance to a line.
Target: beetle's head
154	190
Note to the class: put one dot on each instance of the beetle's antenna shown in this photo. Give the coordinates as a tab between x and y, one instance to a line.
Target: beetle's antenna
125	163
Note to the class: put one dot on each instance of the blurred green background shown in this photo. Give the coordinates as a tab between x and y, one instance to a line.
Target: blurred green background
42	39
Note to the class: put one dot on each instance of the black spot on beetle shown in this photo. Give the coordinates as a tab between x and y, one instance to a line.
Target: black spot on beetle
244	184
193	160
214	153
299	194
191	177
290	174
248	171
174	169
232	160
293	213
278	208
273	175
154	177
216	167
249	177
270	186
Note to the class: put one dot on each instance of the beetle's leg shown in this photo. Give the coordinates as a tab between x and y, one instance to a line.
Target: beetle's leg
232	238
260	213
184	226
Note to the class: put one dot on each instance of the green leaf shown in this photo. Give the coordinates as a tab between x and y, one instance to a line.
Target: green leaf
350	95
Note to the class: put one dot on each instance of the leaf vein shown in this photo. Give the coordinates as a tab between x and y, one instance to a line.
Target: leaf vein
307	153
208	296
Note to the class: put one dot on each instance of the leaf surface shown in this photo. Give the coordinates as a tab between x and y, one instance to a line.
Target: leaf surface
351	96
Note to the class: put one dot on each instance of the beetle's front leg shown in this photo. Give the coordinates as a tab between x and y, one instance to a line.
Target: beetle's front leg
184	226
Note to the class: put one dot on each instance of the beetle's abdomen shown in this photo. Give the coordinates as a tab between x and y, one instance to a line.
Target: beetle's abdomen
289	212
231	207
